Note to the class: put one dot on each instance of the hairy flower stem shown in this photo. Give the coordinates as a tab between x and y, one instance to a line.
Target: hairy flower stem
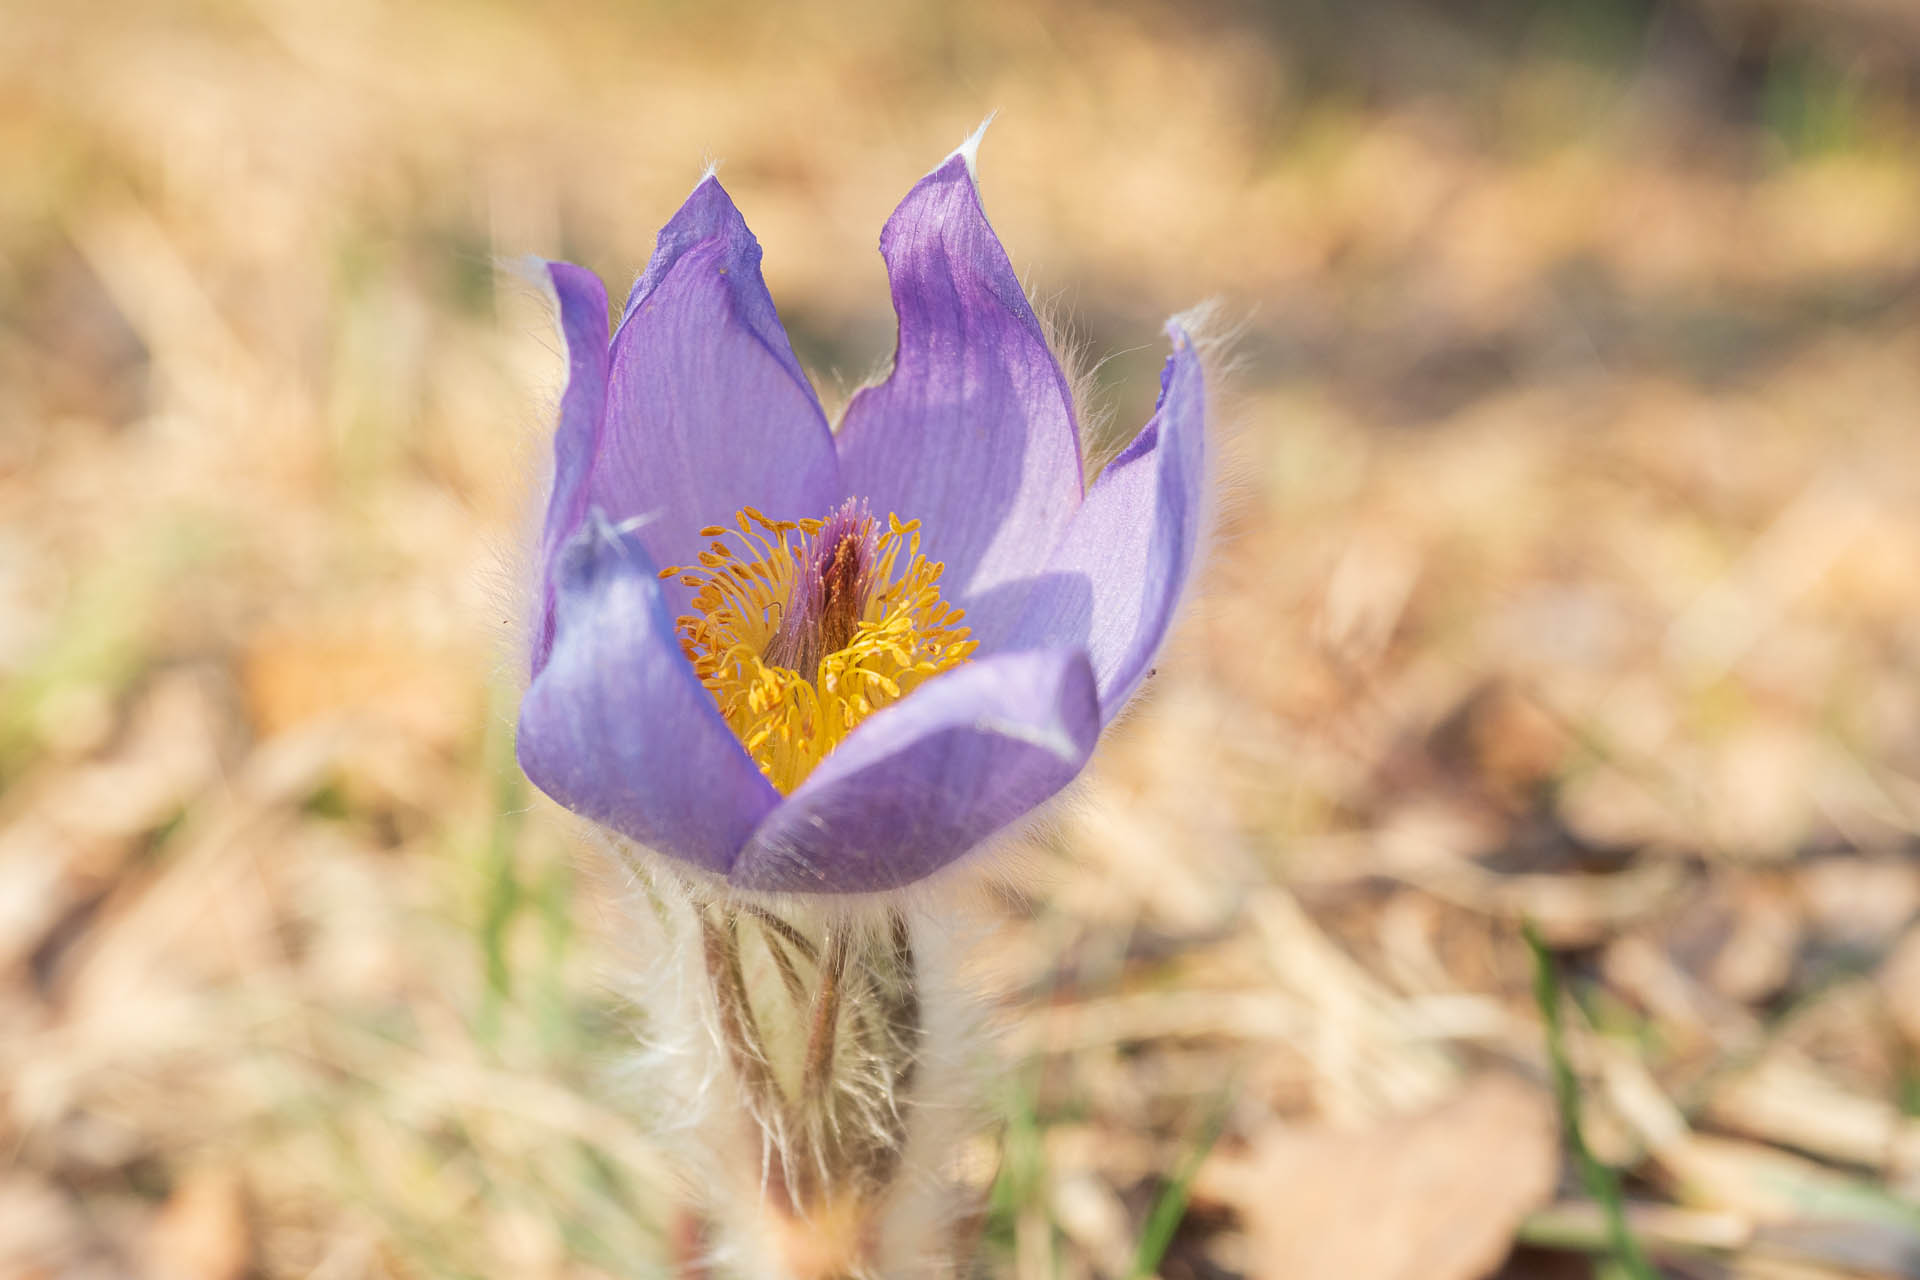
819	1023
818	1075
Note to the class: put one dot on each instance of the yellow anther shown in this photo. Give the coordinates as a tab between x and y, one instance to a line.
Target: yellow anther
867	650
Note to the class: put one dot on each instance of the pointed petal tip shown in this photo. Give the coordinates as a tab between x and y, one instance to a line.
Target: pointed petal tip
1199	327
707	217
711	191
973	431
536	272
564	283
531	268
969	151
708	212
708	408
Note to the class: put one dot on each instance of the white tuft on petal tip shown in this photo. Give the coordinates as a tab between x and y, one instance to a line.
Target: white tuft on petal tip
532	272
970	149
1205	324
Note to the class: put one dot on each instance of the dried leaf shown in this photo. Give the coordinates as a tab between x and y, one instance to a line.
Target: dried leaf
1436	1197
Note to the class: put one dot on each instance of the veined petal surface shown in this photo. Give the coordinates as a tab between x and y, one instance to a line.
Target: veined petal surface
927	779
617	727
1117	575
973	431
707	408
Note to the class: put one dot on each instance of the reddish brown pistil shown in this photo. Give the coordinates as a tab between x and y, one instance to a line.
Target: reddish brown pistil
830	595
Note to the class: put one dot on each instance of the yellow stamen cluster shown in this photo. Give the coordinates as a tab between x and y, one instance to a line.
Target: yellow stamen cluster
891	633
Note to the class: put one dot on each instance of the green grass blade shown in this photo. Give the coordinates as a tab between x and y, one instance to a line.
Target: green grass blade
1168	1211
1601	1181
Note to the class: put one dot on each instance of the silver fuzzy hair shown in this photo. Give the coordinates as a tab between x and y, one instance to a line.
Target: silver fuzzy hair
813	1065
513	587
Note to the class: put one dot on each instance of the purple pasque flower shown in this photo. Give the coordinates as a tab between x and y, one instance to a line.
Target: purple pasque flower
811	660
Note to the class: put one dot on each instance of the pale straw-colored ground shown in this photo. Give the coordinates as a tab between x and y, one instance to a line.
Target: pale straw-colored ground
1569	570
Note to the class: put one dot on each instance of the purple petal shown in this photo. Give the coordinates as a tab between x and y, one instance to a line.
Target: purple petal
707	408
582	304
1114	581
617	728
973	433
930	777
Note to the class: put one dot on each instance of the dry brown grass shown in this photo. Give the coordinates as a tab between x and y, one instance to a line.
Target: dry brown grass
1570	571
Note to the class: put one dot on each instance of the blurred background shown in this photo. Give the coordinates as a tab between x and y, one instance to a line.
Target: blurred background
1568	573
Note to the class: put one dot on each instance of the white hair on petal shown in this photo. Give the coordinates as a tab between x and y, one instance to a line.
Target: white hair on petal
721	1140
512	583
970	149
1073	352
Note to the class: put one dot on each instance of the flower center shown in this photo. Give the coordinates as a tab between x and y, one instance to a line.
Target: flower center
801	629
